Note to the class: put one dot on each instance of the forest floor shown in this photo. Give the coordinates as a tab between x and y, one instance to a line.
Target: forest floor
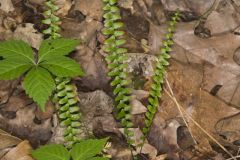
199	115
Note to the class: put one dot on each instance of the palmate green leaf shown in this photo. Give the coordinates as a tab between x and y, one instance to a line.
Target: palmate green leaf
62	66
10	69
39	85
56	47
51	152
16	49
87	149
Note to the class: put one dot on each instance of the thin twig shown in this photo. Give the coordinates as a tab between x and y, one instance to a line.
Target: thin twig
235	158
196	123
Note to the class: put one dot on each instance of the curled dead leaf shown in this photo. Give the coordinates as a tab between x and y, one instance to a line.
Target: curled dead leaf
20	152
7	140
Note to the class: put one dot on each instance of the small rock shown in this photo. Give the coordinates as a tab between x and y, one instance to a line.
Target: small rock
94	104
142	63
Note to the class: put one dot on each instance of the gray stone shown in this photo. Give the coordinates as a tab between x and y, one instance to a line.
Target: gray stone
94	104
143	63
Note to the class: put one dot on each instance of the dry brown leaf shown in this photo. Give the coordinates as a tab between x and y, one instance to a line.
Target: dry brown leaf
137	107
23	125
225	85
90	8
95	70
29	34
48	113
6	88
17	102
6	6
220	69
7	140
20	152
64	6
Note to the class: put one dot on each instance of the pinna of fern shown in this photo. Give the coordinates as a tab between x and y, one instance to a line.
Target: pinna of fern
66	93
116	58
158	77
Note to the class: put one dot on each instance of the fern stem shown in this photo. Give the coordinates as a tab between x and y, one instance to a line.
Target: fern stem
158	77
66	96
116	58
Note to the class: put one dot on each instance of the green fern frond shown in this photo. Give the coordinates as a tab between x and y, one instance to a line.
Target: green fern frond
66	93
158	77
52	20
116	64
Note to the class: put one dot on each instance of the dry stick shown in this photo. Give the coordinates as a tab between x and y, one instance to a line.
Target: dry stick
233	158
171	95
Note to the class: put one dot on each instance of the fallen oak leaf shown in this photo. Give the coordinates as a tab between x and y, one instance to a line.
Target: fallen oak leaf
20	152
7	140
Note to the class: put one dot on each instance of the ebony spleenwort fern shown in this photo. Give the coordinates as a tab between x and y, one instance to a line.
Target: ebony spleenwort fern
158	77
51	20
66	93
116	64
